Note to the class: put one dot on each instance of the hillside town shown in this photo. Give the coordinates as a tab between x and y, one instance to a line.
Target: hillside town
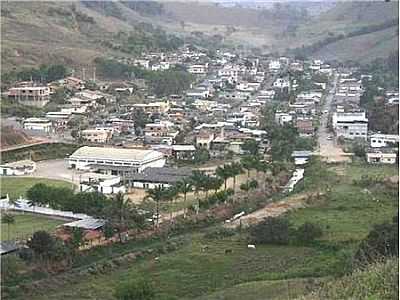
133	155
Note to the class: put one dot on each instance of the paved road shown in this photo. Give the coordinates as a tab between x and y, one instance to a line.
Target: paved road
329	150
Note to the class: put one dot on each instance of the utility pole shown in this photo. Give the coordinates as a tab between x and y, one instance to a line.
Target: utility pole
83	74
94	74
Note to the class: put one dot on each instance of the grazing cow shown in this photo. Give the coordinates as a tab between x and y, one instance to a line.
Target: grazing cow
204	248
228	251
251	246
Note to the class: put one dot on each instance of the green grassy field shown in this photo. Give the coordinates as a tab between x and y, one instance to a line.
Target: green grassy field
190	272
346	214
26	224
17	186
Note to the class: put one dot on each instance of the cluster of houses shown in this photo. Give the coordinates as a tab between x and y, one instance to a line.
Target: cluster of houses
350	121
222	111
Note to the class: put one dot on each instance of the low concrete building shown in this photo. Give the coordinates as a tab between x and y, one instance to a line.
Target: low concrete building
198	69
18	168
382	156
153	177
38	124
301	157
383	140
115	161
282	118
103	183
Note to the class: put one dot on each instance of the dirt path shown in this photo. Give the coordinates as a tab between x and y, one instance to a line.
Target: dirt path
328	148
270	210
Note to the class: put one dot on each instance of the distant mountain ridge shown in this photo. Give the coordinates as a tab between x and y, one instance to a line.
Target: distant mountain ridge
75	33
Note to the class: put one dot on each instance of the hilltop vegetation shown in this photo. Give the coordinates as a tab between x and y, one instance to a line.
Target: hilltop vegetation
377	281
74	33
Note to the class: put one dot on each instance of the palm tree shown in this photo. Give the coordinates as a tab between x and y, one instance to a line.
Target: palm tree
171	193
197	179
249	163
8	219
224	173
157	195
236	169
264	168
184	187
215	183
119	212
207	184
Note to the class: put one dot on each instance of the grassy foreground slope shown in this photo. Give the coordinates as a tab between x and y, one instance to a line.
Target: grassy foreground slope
377	281
346	213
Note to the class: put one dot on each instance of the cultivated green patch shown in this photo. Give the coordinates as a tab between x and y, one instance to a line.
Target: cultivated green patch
26	224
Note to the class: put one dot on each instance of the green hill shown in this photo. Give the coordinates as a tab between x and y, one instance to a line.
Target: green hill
363	48
74	33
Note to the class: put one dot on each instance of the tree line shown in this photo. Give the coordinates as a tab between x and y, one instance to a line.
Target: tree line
43	74
162	83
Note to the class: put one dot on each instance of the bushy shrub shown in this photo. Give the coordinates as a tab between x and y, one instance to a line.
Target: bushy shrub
271	231
219	232
218	197
139	290
382	241
307	233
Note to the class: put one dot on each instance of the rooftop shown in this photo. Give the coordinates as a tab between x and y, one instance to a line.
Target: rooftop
161	175
115	153
89	223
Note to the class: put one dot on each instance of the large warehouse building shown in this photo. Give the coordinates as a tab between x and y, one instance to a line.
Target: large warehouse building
115	161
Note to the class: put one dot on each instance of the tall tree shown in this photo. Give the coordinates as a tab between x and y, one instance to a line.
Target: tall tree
172	192
224	173
197	179
250	146
184	186
215	183
236	169
249	163
157	195
122	215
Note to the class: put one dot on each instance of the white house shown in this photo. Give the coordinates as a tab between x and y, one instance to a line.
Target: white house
18	168
103	183
281	83
382	140
198	69
282	118
39	124
274	65
350	125
199	93
381	156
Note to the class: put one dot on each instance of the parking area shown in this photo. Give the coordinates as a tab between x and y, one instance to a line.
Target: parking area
56	169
